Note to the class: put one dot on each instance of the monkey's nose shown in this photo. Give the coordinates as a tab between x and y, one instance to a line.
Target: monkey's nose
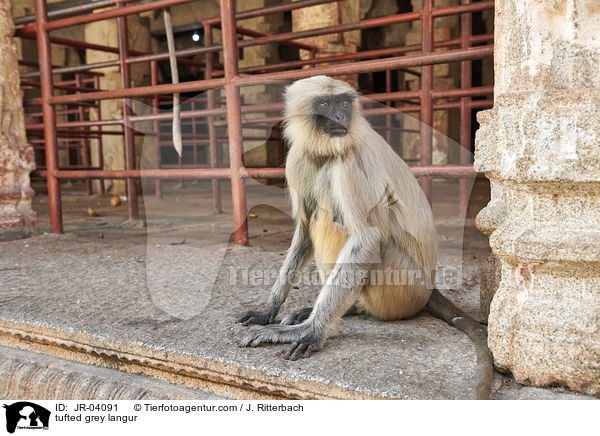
340	118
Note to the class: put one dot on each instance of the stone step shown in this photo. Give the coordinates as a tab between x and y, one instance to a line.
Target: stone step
33	376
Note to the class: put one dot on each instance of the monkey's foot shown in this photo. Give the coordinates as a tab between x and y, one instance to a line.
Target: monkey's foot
256	317
297	316
303	339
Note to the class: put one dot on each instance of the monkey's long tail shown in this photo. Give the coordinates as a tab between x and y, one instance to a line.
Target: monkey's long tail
440	307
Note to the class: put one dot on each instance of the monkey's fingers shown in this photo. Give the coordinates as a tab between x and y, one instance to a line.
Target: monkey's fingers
252	339
297	316
255	317
301	350
260	335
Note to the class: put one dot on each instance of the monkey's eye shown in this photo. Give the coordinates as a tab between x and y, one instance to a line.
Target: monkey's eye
346	104
324	104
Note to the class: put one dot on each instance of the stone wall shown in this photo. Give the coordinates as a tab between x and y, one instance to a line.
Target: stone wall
17	219
540	148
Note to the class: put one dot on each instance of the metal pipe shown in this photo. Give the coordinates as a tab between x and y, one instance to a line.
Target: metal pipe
426	113
100	137
357	67
370	66
129	138
26	19
142	91
466	72
155	111
212	130
270	10
234	122
256	34
441	171
112	13
86	142
43	40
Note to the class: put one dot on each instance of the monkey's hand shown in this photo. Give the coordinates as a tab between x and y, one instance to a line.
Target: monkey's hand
303	338
257	317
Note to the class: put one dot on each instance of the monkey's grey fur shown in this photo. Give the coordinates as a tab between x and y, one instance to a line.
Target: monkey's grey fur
358	209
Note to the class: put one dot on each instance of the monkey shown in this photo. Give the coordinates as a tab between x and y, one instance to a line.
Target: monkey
358	208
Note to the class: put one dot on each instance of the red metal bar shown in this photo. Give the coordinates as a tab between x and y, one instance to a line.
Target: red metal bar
155	111
111	13
100	143
66	11
441	171
466	72
360	55
461	9
143	91
370	66
270	10
354	68
43	40
129	138
234	122
426	115
256	34
285	37
86	142
388	118
212	130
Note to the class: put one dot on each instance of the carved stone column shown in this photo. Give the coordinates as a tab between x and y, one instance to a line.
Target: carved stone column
540	148
17	219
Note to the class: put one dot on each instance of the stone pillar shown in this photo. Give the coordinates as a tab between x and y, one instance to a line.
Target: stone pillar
540	148
17	219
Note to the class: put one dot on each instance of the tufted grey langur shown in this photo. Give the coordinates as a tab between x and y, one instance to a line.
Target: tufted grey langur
358	209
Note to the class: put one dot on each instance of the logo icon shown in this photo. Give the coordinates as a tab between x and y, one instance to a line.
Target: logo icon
24	414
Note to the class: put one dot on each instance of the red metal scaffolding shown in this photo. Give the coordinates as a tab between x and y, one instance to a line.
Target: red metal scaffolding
81	96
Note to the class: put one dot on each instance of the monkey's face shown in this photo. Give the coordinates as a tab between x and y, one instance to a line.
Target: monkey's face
333	113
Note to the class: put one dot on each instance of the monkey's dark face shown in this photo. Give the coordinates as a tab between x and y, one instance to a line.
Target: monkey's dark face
333	114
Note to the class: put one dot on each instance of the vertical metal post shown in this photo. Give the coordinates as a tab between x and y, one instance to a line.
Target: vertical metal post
426	100
100	145
234	121
466	28
85	141
49	114
156	127
388	117
129	137
212	130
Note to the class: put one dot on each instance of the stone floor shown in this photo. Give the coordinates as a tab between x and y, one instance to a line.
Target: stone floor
160	301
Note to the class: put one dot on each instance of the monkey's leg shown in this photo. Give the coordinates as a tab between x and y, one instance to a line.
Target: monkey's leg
298	254
339	293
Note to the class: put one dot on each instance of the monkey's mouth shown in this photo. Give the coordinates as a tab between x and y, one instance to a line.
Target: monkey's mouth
337	131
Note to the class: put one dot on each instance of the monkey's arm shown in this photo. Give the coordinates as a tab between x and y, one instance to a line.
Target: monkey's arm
297	256
337	295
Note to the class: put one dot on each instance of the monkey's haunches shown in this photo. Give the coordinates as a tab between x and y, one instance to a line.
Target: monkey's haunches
391	293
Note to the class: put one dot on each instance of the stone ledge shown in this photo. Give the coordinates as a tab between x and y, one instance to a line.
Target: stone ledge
31	376
51	304
196	373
